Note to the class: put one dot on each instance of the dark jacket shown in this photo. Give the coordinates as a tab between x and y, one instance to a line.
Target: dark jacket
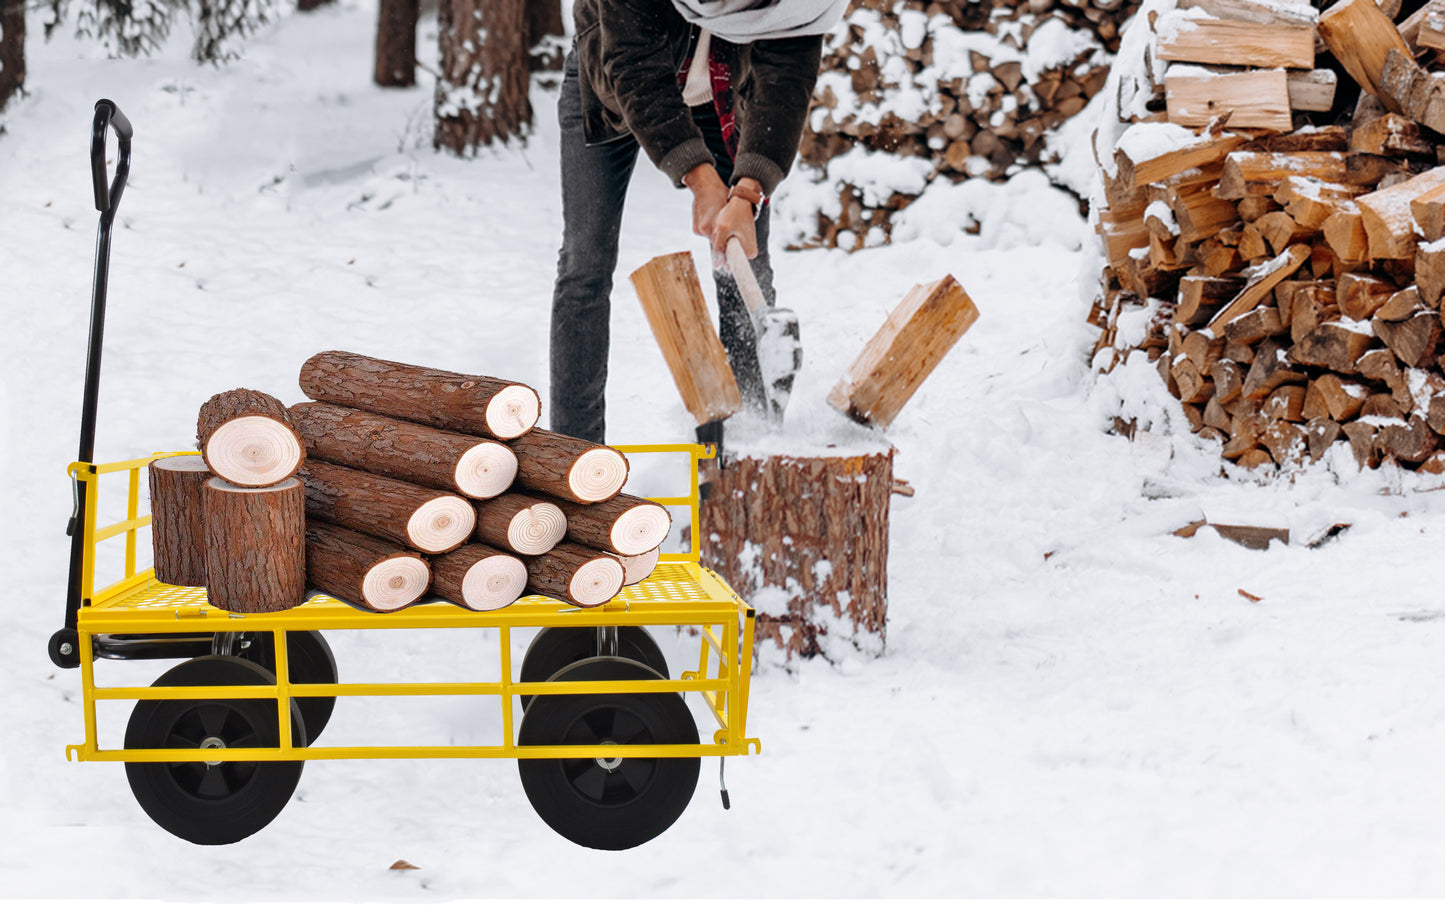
629	54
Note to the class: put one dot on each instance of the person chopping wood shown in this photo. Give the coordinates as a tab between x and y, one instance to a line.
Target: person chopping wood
716	92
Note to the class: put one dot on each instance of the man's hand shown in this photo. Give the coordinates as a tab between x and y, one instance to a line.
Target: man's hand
737	219
709	196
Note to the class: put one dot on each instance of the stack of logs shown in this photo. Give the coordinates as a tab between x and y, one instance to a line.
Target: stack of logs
1291	274
982	117
396	481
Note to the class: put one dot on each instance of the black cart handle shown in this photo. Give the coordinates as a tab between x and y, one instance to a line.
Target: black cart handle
107	114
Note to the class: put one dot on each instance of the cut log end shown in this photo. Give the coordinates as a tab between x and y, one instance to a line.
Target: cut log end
598	474
441	524
254	451
640	529
395	583
597	581
535	530
513	411
637	568
494	582
486	470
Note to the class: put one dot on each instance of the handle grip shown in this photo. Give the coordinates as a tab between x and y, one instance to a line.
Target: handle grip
742	271
107	116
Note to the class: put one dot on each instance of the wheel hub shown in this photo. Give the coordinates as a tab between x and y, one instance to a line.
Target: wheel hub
213	742
609	764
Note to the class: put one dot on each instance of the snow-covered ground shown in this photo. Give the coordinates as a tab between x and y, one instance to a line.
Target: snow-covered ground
1073	702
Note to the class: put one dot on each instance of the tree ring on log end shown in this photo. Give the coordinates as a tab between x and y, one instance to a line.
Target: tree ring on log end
637	568
494	582
486	470
598	474
535	530
596	581
513	411
254	451
395	583
441	524
639	529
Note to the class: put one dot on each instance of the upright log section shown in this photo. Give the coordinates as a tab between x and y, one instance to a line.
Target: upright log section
178	519
255	545
805	540
246	438
479	405
362	570
404	513
480	468
569	468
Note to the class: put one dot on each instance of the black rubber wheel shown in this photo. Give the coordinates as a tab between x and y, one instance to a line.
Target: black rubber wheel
561	646
608	804
311	662
207	803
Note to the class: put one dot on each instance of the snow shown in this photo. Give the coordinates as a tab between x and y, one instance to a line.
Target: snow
1071	701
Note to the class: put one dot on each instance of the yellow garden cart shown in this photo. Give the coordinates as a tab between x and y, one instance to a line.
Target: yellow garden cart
607	750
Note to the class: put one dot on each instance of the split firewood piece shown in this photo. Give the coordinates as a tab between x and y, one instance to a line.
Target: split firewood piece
1430	272
1251	241
1391	134
1209	150
1361	295
1381	366
1231	43
905	350
475	467
463	403
1284	403
1285	442
1360	36
1217	259
1200	297
1270	370
1253	327
1402	305
639	567
1320	434
1260	281
479	577
520	523
1312	90
1228	379
1286	291
1413	91
178	525
1361	436
414	516
1435	414
1121	229
1258	99
1260	12
1383	408
1429	212
247	438
1309	139
1310	202
1194	385
1415	23
567	467
1281	231
1333	345
1388	221
1413	340
362	570
625	525
1345	233
1431	34
1408	440
1200	214
1202	349
1215	415
576	574
255	545
1254	458
1260	173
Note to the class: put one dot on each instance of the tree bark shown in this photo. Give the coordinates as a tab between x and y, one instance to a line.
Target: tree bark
575	574
544	21
520	523
363	570
479	577
178	524
396	43
394	510
12	50
479	405
624	525
255	546
482	95
569	468
247	438
814	532
403	450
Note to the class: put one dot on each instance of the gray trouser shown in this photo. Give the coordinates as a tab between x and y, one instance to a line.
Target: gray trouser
594	187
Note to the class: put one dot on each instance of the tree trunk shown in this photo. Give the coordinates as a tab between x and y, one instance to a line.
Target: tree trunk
479	405
247	438
482	95
12	49
569	468
520	523
178	525
362	570
308	6
396	43
479	577
545	33
255	546
624	525
805	540
408	451
394	510
575	574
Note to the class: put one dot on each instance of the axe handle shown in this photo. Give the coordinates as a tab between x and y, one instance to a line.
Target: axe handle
743	273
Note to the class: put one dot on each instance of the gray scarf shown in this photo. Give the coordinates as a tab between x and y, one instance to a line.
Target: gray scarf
745	21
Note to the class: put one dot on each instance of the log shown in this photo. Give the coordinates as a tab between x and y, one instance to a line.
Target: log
463	403
1228	379
1389	223
1260	281
638	568
1285	442
624	525
1361	294
1232	43
1313	90
1281	231
520	523
247	439
671	296
1409	440
1249	100
178	526
1260	173
255	545
1253	327
1429	213
404	513
1345	233
569	468
1361	436
1311	202
1333	346
1270	370
1391	134
362	570
479	577
1320	435
475	467
578	575
1412	340
1209	150
1360	36
1310	307
1402	305
1200	214
1260	12
1381	366
906	349
1284	403
1200	297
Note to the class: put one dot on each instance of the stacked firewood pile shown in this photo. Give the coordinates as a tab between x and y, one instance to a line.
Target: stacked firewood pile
1286	277
396	482
967	89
